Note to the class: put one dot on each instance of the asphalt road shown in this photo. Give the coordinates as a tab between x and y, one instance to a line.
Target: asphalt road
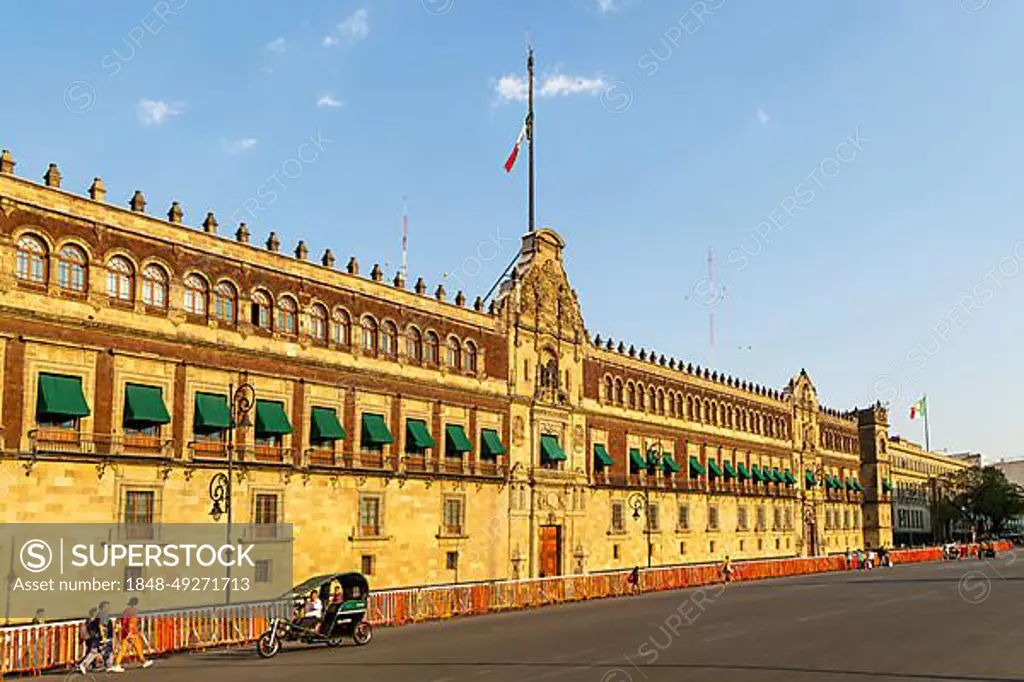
951	621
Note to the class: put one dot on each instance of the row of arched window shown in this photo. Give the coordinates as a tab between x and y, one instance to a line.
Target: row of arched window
221	302
831	440
636	396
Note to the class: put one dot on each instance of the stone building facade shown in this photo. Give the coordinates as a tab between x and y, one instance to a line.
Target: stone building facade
916	475
400	432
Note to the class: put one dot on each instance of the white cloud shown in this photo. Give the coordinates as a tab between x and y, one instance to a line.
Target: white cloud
241	145
762	116
277	45
328	101
608	6
154	112
355	27
559	84
514	88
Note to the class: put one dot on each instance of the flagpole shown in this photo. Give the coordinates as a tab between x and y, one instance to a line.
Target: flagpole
927	443
529	123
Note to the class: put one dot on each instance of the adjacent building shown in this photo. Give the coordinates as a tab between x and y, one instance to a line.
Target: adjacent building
401	432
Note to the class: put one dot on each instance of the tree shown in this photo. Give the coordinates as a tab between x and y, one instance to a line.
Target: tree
983	497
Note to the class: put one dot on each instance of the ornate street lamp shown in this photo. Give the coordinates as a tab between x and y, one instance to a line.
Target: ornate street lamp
242	401
638	501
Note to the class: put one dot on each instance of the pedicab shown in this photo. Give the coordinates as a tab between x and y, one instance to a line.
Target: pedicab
343	618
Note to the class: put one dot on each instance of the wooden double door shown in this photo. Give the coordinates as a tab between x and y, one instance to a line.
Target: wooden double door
550	551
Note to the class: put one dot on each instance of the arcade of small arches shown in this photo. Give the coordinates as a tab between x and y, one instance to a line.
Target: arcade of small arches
635	395
203	300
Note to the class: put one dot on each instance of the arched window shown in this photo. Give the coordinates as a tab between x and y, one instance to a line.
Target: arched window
32	259
71	269
225	302
120	279
154	286
631	396
414	344
340	327
608	395
454	353
388	338
287	316
431	349
640	399
689	407
196	292
618	391
260	310
318	323
369	334
469	357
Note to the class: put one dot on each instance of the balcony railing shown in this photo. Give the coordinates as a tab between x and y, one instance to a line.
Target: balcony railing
68	441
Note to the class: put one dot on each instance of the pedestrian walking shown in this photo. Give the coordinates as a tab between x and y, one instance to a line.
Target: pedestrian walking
727	569
849	559
106	634
130	637
860	559
91	636
871	559
634	580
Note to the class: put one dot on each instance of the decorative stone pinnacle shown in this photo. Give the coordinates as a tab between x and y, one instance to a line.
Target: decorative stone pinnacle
7	163
597	340
399	280
242	234
273	243
439	293
97	191
52	176
492	308
175	214
421	287
210	224
138	202
376	274
301	252
353	266
478	304
460	299
327	259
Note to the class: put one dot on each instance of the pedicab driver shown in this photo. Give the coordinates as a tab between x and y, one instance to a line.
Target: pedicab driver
312	611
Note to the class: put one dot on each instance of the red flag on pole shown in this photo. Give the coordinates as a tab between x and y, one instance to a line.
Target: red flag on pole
511	161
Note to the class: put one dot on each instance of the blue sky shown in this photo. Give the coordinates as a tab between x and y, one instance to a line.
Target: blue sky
888	268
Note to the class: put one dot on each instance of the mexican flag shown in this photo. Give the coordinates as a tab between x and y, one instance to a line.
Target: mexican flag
511	161
919	408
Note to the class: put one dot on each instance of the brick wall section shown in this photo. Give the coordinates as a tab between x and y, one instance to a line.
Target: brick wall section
14	391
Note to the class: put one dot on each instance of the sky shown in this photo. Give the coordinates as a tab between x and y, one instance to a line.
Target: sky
854	168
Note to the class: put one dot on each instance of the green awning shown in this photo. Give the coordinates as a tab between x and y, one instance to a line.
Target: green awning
144	405
809	478
601	456
550	450
417	435
211	413
324	425
455	440
788	477
271	419
837	483
744	472
856	485
652	460
757	473
636	462
490	444
714	469
61	396
696	469
730	470
777	476
887	486
849	484
668	463
375	430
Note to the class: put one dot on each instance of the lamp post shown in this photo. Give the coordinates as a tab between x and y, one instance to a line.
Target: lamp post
639	501
241	403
